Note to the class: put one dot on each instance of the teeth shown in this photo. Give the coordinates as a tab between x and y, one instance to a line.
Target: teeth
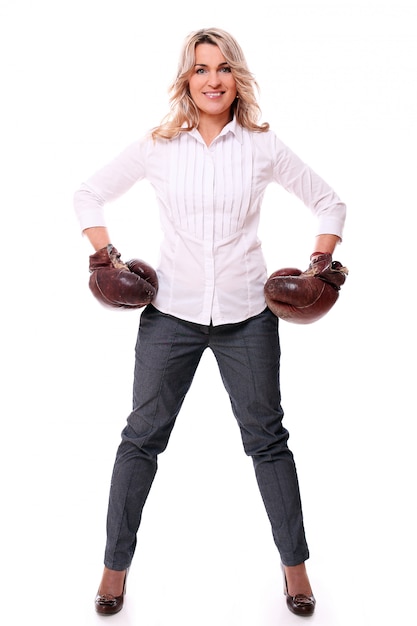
213	95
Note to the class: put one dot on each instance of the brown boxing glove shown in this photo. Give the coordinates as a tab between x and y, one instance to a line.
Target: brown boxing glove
305	297
115	284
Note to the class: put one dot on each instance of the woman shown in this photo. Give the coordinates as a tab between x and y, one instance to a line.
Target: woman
210	163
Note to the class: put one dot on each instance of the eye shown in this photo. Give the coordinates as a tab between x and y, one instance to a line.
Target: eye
226	70
200	70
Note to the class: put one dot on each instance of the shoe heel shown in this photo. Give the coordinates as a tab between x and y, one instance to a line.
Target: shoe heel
299	604
110	605
284	581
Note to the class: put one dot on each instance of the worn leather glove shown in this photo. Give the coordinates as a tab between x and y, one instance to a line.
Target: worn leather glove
305	297
115	284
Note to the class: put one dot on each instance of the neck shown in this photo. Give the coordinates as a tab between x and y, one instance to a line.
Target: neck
210	128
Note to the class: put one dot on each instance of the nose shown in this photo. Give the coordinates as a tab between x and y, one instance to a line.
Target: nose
214	79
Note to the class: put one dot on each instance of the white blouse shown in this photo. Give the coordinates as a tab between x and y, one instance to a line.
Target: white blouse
211	267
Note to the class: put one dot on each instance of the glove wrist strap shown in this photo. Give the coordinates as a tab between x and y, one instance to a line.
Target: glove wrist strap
317	254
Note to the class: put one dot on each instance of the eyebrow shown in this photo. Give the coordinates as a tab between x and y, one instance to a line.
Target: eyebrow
205	65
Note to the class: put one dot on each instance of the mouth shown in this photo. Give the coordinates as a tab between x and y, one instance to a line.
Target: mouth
213	94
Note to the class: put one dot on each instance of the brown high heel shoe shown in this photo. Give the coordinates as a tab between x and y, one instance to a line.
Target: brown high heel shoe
300	604
106	604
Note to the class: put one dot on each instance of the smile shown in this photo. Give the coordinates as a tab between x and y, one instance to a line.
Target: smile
213	94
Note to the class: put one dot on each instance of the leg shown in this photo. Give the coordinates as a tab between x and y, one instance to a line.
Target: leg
167	355
248	355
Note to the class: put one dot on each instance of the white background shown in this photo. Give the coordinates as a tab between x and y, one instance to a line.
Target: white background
79	81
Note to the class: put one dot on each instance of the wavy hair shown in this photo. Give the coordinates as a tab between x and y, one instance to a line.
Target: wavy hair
184	115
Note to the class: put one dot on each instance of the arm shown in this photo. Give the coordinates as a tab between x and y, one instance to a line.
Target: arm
106	185
326	243
321	258
299	179
98	236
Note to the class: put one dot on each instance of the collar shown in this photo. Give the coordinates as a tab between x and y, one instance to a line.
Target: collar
231	127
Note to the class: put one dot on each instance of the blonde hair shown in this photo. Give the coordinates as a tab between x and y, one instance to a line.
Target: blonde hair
183	115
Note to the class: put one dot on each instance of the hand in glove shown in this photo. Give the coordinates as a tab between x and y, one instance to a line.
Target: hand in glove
116	284
305	297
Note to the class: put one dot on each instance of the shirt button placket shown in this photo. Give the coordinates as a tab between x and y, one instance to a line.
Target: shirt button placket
208	198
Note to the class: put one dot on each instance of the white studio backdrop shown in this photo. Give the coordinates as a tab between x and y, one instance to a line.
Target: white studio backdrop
81	80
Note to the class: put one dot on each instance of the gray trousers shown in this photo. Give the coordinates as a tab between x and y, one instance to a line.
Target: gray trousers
168	351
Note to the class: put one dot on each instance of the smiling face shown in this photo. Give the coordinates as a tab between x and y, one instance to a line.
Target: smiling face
212	85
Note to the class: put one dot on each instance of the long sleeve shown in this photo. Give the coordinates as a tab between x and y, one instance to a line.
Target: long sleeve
108	184
298	178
